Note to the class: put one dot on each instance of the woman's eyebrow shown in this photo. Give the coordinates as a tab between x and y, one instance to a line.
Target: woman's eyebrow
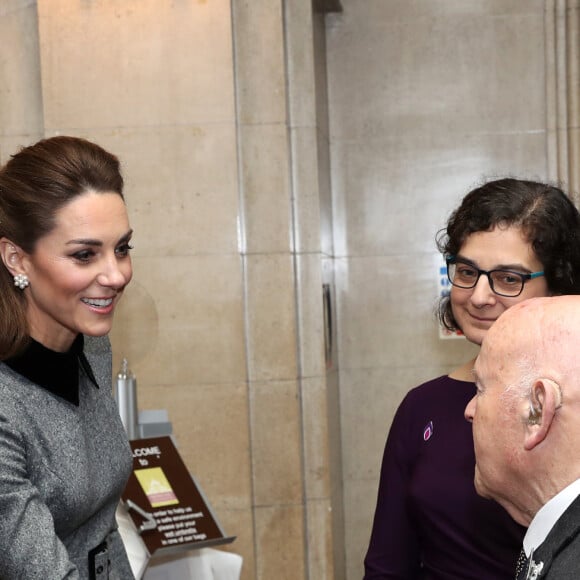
514	266
92	242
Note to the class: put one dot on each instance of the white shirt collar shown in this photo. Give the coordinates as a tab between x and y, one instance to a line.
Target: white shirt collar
548	515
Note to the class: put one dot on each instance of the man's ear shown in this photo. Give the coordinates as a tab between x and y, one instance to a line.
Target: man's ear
545	399
12	256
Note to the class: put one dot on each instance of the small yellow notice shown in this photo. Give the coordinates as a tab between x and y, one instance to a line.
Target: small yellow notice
156	487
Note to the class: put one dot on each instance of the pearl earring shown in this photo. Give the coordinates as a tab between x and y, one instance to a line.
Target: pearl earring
21	281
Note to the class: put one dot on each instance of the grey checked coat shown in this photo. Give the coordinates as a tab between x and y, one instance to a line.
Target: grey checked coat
62	471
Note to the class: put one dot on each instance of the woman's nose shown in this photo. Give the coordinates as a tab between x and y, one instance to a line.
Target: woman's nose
115	274
482	294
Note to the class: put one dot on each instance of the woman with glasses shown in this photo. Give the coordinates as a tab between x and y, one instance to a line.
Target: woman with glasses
509	240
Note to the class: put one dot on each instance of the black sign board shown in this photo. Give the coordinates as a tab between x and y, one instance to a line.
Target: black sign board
165	503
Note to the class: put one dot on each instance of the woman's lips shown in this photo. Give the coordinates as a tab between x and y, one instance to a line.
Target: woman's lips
482	319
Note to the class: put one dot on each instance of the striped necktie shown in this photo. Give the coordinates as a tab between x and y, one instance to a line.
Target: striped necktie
521	565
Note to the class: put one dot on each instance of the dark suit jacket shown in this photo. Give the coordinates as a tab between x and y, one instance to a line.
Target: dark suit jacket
560	552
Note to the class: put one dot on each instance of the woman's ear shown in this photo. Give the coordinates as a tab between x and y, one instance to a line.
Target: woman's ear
545	399
12	256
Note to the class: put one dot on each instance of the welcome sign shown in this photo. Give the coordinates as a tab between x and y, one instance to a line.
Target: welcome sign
165	503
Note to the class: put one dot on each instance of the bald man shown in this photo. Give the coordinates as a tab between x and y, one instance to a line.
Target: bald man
526	429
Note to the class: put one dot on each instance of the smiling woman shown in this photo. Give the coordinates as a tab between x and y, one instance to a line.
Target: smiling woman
64	249
77	272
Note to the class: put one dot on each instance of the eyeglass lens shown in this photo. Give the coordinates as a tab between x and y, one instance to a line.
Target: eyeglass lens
503	282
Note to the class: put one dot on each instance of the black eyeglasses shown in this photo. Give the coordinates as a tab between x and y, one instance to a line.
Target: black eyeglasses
502	282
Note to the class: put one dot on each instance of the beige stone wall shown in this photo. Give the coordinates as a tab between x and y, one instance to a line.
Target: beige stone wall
212	108
426	99
20	87
220	113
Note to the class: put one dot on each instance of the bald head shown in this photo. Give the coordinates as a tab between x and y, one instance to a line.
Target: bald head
526	414
540	334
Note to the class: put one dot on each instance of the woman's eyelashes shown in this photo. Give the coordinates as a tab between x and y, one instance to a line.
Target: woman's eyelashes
83	256
123	249
87	255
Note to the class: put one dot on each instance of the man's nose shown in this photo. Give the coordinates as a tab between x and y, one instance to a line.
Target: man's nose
470	409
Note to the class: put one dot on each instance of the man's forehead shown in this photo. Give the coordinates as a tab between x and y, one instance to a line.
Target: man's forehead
487	364
478	368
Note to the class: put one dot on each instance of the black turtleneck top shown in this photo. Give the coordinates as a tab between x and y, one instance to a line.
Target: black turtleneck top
57	372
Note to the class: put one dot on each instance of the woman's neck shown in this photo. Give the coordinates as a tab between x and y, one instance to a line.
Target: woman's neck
464	372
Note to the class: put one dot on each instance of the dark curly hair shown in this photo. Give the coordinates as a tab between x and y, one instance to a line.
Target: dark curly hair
547	217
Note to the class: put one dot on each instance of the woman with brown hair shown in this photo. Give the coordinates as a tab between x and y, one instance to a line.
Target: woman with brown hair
64	250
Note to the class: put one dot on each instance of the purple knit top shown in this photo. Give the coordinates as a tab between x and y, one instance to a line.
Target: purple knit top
429	522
